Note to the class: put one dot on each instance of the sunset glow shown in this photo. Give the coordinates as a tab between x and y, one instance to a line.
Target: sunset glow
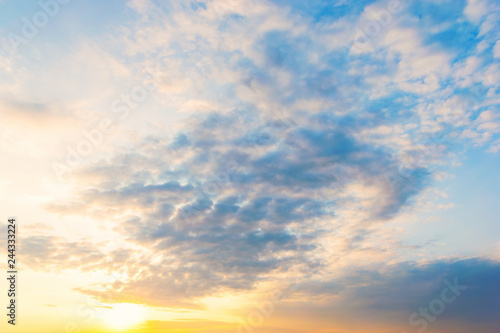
124	316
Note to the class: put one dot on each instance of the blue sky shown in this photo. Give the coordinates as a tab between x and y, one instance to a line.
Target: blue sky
189	158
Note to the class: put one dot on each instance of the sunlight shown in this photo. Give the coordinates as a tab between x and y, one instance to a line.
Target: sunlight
124	316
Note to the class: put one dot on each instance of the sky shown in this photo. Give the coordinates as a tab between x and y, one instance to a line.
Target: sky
263	166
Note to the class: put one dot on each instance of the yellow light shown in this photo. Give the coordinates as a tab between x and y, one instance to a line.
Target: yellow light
123	316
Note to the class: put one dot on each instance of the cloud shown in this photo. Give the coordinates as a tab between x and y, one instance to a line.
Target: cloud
298	140
496	49
476	9
49	253
386	297
229	211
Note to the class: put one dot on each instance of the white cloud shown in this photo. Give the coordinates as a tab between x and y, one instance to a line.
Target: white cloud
496	49
476	9
420	68
494	147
